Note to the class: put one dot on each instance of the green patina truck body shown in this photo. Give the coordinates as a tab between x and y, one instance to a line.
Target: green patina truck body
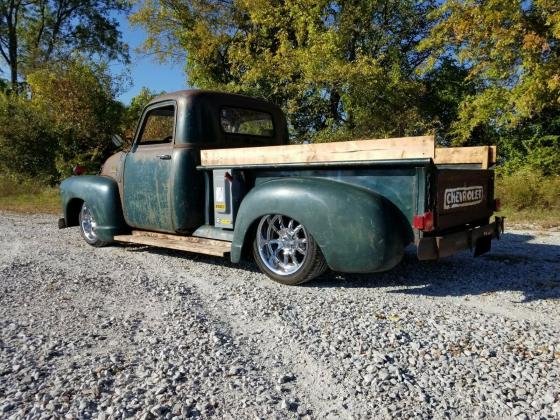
296	219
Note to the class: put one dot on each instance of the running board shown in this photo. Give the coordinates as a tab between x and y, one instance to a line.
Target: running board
181	243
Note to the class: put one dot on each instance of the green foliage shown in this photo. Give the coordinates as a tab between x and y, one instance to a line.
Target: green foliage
331	65
529	189
27	142
78	99
68	120
133	113
37	33
28	195
511	50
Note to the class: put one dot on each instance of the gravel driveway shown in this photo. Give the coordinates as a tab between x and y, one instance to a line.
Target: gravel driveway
136	331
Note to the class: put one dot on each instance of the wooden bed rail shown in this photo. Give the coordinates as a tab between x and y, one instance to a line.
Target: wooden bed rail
356	150
483	155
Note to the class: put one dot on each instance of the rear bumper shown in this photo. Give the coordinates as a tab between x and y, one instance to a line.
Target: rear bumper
477	239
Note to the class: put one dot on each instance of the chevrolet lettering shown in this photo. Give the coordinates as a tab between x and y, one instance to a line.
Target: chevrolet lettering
462	197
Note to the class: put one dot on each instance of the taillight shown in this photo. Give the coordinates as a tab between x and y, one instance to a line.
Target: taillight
424	221
78	170
497	204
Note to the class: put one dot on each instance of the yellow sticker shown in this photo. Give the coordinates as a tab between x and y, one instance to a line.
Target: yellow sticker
220	206
223	221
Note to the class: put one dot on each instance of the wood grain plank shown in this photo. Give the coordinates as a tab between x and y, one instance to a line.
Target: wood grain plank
356	150
181	243
189	239
483	155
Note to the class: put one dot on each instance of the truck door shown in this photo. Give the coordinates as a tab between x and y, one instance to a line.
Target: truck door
148	170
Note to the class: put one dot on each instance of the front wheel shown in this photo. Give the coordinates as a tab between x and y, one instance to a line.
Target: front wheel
286	252
88	226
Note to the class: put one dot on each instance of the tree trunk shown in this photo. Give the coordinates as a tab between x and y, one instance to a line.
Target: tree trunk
13	60
12	21
334	102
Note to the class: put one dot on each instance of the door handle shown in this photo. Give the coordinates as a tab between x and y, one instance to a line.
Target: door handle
164	157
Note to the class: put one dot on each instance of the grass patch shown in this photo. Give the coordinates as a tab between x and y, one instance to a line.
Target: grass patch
530	198
27	196
531	218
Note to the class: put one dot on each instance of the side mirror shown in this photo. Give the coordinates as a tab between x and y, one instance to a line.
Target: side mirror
117	140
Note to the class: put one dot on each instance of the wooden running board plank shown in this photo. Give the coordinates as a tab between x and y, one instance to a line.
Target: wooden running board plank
357	150
181	243
188	239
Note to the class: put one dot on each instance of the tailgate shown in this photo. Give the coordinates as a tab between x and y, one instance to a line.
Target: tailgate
463	196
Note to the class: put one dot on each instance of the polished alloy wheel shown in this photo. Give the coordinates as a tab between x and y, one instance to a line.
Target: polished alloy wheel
88	224
282	244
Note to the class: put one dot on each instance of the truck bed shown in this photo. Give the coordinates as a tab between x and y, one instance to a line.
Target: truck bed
453	183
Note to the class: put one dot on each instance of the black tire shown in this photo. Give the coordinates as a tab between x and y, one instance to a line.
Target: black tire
87	224
306	266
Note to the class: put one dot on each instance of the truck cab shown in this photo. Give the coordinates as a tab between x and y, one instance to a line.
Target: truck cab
300	209
161	189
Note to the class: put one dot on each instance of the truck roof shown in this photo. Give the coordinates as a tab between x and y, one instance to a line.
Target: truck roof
221	98
204	108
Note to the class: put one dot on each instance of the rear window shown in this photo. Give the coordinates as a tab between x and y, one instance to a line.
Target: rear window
247	121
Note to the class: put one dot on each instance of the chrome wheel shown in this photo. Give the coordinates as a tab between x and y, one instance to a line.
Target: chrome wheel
88	224
282	244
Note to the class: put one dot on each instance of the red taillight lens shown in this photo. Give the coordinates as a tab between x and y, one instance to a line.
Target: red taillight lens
497	204
424	221
78	170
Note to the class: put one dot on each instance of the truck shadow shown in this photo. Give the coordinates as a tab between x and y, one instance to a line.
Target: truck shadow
514	264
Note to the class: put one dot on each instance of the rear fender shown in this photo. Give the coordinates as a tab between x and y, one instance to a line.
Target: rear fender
357	230
102	195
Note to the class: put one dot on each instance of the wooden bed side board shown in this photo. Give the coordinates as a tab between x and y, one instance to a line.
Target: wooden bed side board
355	150
483	155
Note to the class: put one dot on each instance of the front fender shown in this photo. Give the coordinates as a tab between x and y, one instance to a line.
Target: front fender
102	195
357	230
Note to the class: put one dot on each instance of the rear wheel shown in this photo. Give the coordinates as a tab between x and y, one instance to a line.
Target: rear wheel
88	226
286	252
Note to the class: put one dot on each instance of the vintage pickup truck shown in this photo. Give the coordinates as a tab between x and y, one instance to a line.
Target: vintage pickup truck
213	173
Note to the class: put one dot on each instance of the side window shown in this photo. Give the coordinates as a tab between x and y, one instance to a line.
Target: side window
246	121
158	126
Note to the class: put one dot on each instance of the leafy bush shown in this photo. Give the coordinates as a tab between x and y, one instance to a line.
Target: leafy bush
528	189
27	142
11	185
78	100
67	117
27	195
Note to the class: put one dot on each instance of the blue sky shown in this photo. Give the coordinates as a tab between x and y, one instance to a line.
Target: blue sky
144	70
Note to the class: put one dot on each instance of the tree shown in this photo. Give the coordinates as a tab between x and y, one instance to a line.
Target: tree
511	50
34	33
78	98
27	141
338	67
134	112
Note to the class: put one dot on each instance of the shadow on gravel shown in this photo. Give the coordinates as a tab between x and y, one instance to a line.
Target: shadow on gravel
191	256
514	264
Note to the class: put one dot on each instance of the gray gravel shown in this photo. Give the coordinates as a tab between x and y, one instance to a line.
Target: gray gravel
128	331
